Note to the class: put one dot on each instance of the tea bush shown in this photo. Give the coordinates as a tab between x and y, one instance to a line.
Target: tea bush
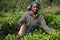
36	35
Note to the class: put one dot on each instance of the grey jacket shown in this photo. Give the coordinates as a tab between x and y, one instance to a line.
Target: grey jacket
32	21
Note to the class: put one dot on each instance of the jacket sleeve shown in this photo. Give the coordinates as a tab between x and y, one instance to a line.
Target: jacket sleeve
22	20
44	25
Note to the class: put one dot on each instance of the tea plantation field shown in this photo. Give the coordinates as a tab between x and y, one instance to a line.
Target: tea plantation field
9	32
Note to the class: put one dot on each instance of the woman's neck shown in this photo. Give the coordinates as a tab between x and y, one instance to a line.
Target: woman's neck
34	13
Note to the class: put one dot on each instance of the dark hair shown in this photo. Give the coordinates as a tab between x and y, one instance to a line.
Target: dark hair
29	7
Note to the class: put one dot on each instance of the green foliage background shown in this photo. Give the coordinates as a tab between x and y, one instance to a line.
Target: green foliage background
21	5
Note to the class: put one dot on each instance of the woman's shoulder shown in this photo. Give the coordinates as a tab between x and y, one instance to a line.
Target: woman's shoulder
26	14
41	16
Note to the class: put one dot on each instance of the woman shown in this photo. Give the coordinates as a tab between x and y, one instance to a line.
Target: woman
31	19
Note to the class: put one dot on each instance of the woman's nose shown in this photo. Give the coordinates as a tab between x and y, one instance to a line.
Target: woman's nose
36	8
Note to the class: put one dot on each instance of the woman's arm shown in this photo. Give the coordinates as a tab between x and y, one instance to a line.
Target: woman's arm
22	23
22	30
44	25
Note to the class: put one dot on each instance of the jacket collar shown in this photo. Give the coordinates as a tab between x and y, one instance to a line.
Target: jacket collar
30	12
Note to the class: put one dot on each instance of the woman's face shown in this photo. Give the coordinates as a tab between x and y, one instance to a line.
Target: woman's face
34	8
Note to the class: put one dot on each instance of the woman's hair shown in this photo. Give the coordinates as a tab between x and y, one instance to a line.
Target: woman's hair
29	7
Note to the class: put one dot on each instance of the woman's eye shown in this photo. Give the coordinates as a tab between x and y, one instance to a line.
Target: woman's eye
35	7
